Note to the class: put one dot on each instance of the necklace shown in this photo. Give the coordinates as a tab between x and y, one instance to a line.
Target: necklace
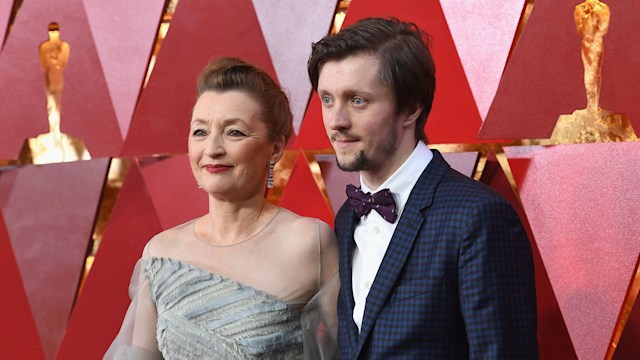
239	242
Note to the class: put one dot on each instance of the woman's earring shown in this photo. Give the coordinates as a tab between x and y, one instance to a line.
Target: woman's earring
272	165
199	186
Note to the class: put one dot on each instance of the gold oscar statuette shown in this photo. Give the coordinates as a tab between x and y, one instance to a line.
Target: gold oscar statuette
592	124
54	146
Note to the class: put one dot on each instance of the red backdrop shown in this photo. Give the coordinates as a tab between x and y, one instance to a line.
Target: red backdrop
579	202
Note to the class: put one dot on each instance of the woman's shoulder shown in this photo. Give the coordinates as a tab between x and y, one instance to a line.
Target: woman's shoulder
304	225
308	231
314	241
293	220
165	243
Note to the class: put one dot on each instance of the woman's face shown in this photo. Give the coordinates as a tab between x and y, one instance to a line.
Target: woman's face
229	147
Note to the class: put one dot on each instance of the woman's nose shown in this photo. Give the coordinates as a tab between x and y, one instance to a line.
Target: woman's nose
215	146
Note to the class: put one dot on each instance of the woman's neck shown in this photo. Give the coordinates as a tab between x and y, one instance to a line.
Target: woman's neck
229	223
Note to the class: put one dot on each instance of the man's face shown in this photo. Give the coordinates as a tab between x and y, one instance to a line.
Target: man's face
359	115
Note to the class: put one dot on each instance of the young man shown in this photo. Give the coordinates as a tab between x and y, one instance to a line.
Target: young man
433	265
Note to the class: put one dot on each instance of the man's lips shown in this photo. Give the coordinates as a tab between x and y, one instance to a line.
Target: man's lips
343	141
216	168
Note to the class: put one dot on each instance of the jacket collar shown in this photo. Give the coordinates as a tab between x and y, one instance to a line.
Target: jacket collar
399	248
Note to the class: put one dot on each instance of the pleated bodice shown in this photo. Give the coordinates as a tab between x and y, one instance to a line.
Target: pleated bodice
202	315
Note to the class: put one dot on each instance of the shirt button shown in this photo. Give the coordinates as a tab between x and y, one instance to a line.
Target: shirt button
368	284
376	230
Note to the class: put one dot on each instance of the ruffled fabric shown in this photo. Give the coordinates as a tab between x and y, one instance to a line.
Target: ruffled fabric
202	315
180	311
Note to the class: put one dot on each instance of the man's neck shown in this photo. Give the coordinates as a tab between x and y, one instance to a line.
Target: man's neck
376	177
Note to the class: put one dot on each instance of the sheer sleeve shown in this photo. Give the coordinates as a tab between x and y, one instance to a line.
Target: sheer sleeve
320	323
137	337
328	253
319	317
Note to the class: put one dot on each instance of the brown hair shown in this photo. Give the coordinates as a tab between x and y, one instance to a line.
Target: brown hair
406	65
224	74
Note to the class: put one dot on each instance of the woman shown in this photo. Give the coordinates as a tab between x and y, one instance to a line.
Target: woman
230	284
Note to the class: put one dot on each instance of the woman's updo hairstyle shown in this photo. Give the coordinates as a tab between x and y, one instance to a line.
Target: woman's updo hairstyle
225	74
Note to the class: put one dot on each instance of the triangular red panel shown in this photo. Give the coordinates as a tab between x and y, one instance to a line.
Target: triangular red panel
87	112
591	247
100	309
553	338
49	212
124	49
483	31
290	49
199	32
18	332
174	191
454	117
5	14
463	162
544	77
312	134
302	194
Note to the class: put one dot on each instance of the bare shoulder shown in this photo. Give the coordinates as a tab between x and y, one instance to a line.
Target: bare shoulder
306	230
293	220
167	242
315	241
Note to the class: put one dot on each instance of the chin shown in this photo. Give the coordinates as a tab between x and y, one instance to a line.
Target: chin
357	162
214	188
343	163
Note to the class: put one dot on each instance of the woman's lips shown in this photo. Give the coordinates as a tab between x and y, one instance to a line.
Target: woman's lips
216	168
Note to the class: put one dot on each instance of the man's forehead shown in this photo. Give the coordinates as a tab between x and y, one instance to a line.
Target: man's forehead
354	64
351	58
350	73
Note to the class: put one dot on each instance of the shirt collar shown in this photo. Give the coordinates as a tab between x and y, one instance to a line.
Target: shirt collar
402	181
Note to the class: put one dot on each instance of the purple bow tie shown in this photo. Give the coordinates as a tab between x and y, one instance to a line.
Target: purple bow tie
381	201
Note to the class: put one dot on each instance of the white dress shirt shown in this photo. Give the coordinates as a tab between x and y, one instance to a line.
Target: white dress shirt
373	234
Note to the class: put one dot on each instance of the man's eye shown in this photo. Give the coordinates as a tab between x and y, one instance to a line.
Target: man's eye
326	100
358	101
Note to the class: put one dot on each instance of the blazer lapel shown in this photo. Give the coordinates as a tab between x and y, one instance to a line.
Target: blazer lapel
401	243
346	247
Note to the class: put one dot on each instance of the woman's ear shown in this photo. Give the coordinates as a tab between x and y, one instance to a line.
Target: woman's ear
278	148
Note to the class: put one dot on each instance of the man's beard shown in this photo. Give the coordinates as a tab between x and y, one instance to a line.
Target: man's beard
363	163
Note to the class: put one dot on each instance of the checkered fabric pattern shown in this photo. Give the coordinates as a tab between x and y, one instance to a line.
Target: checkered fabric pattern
457	281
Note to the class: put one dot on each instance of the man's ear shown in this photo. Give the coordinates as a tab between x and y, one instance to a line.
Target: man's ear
278	148
411	114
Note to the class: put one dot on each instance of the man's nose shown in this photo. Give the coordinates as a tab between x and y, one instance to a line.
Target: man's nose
336	118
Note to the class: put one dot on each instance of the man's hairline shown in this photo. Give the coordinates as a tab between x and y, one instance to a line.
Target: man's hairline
365	52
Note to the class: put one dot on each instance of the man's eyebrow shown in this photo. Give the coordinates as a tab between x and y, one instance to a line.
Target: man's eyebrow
348	93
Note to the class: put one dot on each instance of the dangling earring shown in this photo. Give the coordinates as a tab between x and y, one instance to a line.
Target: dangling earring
272	165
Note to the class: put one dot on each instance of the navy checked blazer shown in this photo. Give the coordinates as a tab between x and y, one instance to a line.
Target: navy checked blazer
457	281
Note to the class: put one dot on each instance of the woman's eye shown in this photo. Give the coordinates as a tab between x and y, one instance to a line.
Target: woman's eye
326	100
234	132
199	132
